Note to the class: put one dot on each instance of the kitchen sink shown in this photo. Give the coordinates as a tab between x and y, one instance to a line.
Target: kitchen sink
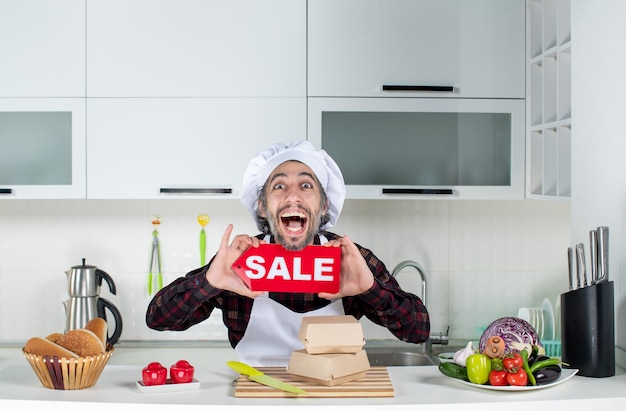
394	353
395	357
383	353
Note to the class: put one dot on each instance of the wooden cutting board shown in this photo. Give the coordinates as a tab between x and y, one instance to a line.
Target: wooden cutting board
375	384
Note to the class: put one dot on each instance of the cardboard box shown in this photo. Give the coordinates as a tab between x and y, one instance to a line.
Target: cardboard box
328	369
331	334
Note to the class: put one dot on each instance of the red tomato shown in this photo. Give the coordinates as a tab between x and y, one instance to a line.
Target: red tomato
513	362
154	374
181	372
498	378
519	378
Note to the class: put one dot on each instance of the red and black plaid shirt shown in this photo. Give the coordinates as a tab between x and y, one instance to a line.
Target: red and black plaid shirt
191	299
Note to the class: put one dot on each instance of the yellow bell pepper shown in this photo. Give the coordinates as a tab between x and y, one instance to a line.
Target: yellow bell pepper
478	368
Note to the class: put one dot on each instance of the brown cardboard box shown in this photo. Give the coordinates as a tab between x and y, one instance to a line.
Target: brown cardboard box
331	334
328	369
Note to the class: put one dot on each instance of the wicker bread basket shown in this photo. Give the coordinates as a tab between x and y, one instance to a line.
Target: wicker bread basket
68	373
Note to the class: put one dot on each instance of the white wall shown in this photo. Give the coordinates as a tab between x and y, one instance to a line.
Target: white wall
483	259
599	139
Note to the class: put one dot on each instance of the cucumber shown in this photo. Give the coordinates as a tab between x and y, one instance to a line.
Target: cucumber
453	370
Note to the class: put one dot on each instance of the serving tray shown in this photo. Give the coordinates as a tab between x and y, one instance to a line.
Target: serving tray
169	386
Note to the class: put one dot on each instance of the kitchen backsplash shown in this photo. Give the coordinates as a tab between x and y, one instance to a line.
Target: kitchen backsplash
483	259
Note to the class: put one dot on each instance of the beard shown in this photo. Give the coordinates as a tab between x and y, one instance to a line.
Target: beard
292	243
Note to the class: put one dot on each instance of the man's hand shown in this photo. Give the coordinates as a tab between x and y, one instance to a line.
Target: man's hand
220	274
356	276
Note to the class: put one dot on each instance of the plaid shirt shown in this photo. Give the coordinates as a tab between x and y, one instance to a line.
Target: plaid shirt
191	299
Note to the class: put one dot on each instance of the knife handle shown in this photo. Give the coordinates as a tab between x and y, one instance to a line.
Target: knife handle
603	254
570	267
593	253
580	263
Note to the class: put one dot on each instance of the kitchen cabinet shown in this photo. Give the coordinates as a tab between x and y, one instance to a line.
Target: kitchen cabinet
414	148
42	105
549	99
146	148
42	148
42	44
193	48
477	48
192	91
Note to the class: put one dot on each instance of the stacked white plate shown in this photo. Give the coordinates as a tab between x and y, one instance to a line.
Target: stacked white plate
549	320
541	318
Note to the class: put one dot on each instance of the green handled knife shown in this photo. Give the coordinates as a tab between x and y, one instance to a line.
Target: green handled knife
258	376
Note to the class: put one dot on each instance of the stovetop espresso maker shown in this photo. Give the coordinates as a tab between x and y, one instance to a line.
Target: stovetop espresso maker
85	303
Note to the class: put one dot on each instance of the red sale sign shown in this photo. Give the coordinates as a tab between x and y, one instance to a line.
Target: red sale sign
270	267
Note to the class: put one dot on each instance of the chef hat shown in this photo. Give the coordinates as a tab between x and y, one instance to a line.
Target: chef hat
324	167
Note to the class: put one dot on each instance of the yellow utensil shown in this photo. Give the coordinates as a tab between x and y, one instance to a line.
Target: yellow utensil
258	376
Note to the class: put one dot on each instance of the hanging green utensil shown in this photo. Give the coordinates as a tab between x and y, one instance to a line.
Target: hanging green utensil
156	257
203	220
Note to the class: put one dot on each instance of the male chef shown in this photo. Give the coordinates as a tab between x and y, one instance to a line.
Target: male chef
295	193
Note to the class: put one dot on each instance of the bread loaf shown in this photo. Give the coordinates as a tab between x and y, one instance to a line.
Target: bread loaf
82	342
43	347
54	336
99	327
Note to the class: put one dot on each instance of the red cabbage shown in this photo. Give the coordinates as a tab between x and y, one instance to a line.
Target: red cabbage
511	330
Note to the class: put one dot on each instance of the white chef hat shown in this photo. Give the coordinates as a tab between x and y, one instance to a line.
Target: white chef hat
324	167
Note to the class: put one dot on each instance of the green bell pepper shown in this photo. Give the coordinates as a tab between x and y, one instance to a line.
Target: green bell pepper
478	368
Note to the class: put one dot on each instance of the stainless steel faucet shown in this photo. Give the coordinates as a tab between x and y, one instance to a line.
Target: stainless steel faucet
410	263
441	337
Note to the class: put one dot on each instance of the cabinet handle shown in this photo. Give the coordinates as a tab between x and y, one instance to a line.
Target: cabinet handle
196	190
438	191
393	87
6	191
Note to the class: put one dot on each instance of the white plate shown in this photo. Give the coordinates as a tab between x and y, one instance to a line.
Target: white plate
548	317
169	386
446	356
524	314
566	374
540	322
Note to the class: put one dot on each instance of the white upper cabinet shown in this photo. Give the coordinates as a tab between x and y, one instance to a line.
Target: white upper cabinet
42	148
42	48
149	148
42	99
410	148
477	48
196	48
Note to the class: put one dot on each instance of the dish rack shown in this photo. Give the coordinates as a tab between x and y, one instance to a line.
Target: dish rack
546	322
552	347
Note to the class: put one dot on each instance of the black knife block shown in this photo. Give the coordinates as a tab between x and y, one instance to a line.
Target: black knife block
588	330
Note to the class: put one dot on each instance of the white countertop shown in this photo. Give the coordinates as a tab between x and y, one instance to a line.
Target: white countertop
425	386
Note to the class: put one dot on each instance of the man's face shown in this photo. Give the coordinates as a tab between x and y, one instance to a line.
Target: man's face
294	208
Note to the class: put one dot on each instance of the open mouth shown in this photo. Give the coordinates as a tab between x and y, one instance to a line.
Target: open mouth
293	221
